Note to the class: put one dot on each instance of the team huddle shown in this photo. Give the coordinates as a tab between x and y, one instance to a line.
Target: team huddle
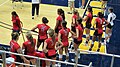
57	39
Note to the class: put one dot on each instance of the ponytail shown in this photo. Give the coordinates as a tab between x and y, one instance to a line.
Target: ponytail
29	37
51	34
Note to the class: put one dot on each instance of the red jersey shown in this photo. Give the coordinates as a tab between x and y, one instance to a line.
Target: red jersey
90	17
51	46
59	18
80	29
14	46
74	17
43	30
16	23
64	36
29	49
99	23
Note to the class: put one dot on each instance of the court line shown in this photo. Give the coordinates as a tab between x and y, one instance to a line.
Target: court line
4	3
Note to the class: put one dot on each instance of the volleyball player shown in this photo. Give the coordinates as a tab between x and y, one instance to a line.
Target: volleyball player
78	36
16	22
88	20
74	20
63	38
15	47
71	5
49	47
29	47
59	20
99	21
111	18
42	31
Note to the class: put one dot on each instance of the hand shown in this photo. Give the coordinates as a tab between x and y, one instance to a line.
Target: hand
26	61
96	28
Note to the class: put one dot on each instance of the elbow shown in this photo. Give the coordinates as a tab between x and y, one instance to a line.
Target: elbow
44	50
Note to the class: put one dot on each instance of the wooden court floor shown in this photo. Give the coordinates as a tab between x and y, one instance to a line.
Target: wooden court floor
49	11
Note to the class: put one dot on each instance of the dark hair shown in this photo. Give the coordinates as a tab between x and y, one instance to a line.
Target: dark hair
14	13
75	11
90	10
59	11
80	22
100	15
64	23
63	14
45	20
29	37
14	35
111	9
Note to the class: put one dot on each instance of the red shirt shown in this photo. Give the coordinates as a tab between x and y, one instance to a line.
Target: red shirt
80	29
59	18
51	46
99	23
29	49
16	23
14	46
74	17
43	30
64	36
90	17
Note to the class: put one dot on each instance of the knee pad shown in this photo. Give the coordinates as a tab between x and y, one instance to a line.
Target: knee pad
110	34
53	65
60	56
106	35
67	54
87	35
92	42
100	41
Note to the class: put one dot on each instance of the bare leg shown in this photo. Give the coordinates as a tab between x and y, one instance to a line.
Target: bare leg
93	40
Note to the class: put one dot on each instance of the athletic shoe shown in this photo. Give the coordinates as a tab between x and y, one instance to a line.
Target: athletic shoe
59	65
98	50
32	17
73	60
69	12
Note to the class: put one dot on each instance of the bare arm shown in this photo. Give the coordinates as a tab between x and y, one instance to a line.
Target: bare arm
77	34
85	19
59	40
44	48
57	23
33	29
20	51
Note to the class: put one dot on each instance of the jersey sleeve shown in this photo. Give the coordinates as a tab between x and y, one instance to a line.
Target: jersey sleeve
59	18
60	31
16	46
56	38
68	29
88	15
38	25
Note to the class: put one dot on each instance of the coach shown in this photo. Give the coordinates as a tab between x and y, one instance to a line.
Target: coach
35	5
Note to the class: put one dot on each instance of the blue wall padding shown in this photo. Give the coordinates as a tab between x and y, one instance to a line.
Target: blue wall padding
59	2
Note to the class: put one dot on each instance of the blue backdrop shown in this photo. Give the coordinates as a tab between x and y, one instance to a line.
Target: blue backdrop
59	2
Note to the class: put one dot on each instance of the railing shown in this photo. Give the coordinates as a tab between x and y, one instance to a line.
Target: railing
38	60
105	54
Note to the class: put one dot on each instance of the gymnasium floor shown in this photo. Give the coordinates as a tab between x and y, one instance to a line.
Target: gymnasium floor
49	11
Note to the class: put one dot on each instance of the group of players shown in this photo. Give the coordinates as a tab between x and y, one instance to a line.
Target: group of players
57	39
